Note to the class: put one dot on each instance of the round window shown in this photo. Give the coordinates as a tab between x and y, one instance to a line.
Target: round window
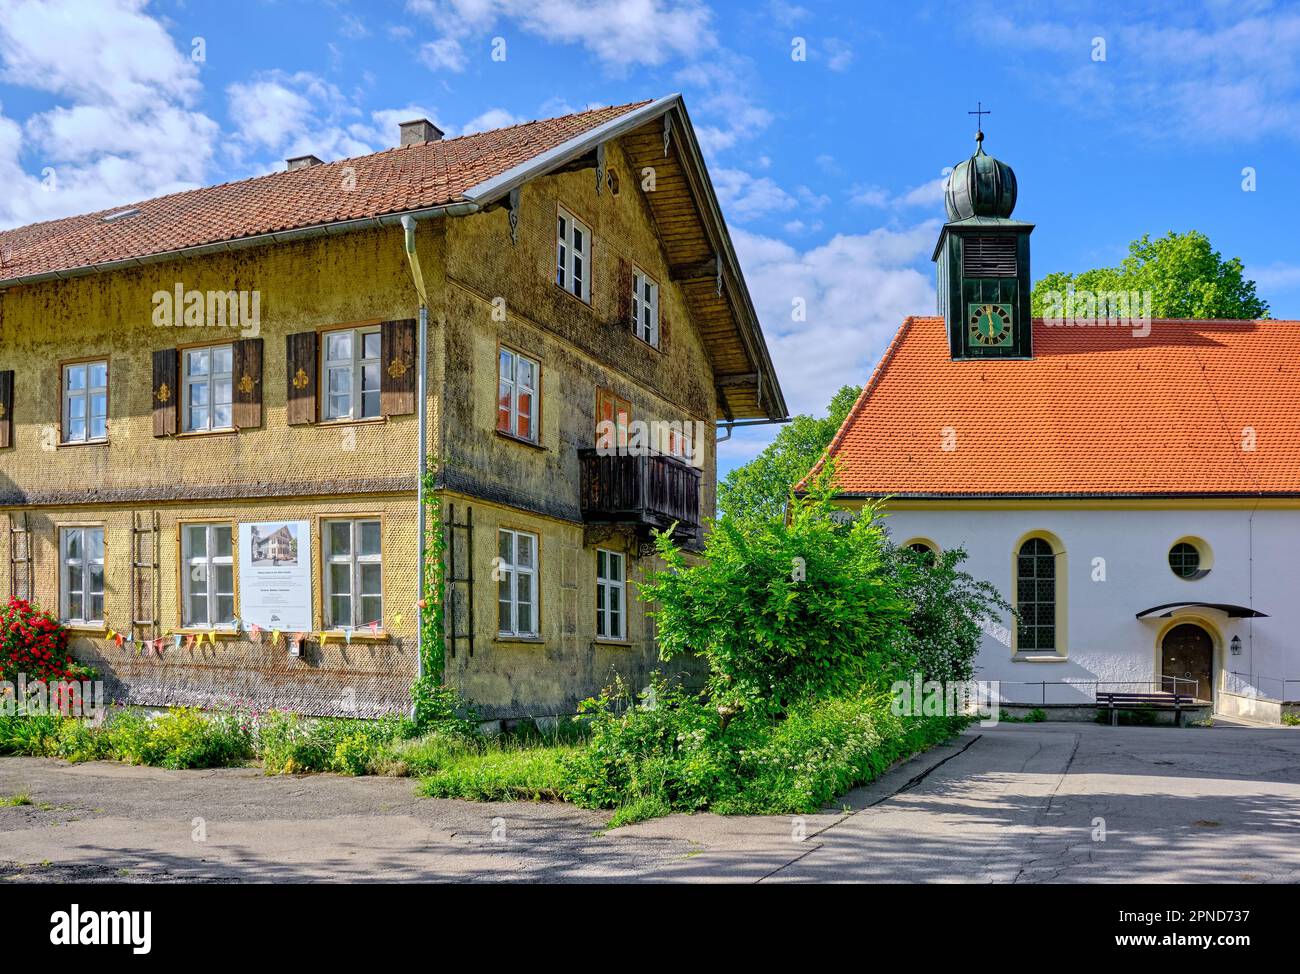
923	552
1185	560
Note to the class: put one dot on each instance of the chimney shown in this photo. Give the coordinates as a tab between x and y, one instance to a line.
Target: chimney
419	130
302	162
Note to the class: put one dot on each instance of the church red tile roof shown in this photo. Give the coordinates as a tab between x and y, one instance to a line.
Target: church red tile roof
1193	408
397	180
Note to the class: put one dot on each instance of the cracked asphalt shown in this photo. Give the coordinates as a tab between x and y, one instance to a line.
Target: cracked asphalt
1017	803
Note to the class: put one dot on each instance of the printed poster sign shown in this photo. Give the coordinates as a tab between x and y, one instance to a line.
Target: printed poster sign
275	575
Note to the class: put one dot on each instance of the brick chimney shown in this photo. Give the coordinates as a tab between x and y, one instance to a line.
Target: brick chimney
302	162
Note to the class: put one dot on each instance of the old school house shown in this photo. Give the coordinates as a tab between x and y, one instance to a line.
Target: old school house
227	511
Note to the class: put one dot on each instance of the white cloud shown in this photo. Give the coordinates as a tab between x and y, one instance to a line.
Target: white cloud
123	126
1274	277
620	33
288	115
1235	74
444	54
927	194
745	197
838	54
856	290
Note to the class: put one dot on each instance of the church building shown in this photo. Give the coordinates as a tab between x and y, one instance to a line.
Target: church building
1131	486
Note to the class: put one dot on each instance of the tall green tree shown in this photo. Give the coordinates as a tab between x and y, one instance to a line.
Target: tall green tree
761	488
1186	276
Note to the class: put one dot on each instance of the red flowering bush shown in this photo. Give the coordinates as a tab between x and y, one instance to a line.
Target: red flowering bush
33	642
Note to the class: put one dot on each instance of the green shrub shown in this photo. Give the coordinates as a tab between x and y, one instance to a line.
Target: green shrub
501	774
182	738
80	740
31	736
294	744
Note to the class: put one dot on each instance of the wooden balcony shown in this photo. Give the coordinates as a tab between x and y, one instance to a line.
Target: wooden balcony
647	492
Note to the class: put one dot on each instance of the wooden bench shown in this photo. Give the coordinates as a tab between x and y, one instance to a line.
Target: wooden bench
1116	702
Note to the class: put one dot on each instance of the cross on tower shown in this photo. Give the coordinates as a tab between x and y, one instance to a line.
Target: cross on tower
979	112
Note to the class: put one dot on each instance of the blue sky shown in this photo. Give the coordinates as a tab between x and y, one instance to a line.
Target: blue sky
829	167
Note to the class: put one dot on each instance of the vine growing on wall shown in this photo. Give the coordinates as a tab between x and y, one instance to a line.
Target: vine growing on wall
431	699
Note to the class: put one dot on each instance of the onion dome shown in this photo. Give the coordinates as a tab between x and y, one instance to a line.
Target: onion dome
980	186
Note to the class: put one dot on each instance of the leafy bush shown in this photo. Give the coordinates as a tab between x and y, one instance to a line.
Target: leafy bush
35	643
783	611
182	738
501	774
676	752
32	736
293	744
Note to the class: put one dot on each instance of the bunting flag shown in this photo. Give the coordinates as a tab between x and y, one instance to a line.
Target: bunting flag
275	637
320	637
254	630
176	640
117	638
397	619
374	628
347	634
189	641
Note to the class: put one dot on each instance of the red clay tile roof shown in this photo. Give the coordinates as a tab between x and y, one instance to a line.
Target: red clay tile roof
1097	411
408	178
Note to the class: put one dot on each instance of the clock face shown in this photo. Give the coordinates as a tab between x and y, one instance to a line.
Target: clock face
989	324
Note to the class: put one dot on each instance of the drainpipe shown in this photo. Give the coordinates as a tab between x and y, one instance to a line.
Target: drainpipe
421	391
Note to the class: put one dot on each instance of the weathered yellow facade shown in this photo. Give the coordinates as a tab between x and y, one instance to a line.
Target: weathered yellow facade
485	293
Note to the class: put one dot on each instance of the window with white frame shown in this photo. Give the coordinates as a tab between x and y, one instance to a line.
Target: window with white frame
517	395
351	373
645	308
354	574
206	374
81	589
208	582
85	402
611	601
516	569
573	256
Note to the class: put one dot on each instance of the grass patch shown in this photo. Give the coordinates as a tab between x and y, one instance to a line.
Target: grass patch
13	801
501	771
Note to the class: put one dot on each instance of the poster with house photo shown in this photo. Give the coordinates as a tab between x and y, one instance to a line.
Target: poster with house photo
275	575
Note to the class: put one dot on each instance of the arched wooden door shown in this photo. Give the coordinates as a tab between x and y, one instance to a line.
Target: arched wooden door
1187	652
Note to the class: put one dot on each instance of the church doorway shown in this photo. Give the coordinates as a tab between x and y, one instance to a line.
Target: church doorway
1187	652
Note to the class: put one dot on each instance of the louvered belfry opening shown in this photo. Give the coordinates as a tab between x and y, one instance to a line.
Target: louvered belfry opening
989	255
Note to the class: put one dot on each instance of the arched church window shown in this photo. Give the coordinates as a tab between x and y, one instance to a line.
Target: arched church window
1036	596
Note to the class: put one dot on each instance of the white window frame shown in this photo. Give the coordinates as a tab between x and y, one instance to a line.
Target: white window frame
355	560
355	364
573	255
645	303
87	395
80	568
611	624
202	571
211	380
513	386
508	570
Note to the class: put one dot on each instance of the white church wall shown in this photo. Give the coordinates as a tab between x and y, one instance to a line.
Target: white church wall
1116	566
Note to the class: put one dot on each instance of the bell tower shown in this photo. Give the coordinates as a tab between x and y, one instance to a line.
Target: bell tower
983	262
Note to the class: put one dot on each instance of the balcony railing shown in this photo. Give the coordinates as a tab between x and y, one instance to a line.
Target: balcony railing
646	491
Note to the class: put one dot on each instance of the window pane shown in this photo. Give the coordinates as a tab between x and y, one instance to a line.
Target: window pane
221	416
370	377
75	378
505	365
370	345
503	616
77	407
372	610
99	404
340	610
96	607
524	421
199	394
95	544
525	618
504	586
340	538
72	544
369	538
372	579
98	428
222	391
96	577
340	407
525	553
370	403
76	429
225	610
339	346
600	564
75	606
198	418
198	609
525	374
196	362
616	567
221	538
223	359
340	577
196	541
506	547
523	588
503	407
224	577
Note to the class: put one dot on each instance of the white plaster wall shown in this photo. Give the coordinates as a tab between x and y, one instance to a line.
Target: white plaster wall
1253	559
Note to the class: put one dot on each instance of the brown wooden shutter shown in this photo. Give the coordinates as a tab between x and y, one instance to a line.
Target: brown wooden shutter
624	283
6	409
166	391
248	383
301	372
397	360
